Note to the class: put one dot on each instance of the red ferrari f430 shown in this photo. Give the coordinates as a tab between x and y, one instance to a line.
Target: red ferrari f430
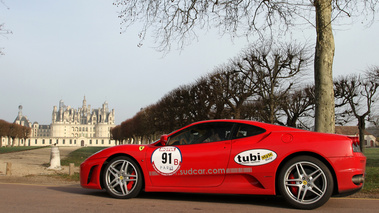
233	157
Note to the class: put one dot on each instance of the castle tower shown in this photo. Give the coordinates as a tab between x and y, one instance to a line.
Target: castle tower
84	103
19	112
22	120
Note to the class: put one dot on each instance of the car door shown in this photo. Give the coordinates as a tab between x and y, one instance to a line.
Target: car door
194	157
247	152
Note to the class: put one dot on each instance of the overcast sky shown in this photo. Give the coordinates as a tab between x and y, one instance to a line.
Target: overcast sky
65	50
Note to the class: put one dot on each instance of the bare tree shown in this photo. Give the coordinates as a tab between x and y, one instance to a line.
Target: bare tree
128	130
203	99
116	134
299	104
253	110
237	86
358	94
251	85
275	68
3	130
13	131
178	21
3	30
25	133
217	95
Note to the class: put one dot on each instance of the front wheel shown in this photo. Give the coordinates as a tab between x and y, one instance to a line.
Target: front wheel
305	182
122	178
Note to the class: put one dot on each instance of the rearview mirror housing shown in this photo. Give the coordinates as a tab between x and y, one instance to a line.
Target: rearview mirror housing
163	140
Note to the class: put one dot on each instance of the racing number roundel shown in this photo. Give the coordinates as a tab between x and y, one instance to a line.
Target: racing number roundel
166	160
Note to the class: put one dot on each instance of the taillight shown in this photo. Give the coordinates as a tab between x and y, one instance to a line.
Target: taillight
355	144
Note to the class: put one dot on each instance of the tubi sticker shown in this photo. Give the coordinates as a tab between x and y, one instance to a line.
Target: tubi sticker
255	157
166	160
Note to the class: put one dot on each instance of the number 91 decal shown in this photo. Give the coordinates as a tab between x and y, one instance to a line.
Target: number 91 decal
166	160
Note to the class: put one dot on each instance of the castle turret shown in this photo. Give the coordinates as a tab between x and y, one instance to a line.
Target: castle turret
22	120
84	104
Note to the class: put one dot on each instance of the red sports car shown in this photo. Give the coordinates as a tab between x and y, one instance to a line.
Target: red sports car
233	157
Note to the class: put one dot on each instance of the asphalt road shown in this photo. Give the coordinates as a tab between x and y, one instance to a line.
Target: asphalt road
72	198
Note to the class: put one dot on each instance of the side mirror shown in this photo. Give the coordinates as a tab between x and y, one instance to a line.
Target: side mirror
164	139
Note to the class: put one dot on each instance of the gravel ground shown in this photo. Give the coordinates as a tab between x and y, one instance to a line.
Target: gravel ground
32	167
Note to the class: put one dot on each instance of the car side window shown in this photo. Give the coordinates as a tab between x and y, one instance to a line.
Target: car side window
245	130
202	133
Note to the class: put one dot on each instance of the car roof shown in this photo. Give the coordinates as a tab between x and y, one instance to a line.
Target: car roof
267	127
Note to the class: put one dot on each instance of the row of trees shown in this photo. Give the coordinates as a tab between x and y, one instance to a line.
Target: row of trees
264	83
177	22
13	131
255	81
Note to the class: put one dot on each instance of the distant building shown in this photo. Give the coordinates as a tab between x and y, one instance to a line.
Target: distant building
71	127
83	122
22	120
370	140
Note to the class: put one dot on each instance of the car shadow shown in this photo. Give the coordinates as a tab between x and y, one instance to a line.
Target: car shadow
264	200
77	189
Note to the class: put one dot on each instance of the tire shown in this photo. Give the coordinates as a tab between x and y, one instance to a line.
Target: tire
305	182
122	178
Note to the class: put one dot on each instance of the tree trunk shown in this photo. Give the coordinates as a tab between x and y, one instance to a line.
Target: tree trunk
237	113
361	128
324	113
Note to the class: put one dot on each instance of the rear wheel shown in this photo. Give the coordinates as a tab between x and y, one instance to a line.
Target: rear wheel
305	182
122	178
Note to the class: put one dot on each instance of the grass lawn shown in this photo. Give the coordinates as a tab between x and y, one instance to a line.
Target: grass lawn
79	155
372	171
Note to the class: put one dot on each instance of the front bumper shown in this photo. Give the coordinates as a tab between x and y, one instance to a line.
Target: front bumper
90	173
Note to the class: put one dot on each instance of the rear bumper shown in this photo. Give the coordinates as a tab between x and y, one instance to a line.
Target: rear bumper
350	173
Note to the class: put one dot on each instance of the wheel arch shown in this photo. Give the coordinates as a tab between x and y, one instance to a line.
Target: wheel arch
113	157
312	154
